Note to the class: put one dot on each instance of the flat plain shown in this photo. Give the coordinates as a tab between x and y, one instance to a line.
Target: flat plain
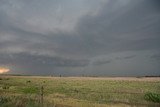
36	91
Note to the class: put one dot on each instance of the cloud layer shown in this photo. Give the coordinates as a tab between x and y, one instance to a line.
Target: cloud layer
80	37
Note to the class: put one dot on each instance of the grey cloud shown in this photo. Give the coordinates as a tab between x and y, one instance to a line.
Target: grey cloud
155	56
130	27
40	60
112	59
101	62
71	34
114	28
126	57
27	63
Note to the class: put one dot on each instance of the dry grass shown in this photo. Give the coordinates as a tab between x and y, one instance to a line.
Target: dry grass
81	91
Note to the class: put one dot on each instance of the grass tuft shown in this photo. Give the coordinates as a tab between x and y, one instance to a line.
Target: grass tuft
154	97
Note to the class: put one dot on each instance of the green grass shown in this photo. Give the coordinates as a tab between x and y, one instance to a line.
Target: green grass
76	92
154	97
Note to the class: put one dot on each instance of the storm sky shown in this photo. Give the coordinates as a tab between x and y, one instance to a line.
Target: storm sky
80	37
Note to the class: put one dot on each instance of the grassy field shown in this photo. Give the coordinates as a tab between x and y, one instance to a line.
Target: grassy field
26	91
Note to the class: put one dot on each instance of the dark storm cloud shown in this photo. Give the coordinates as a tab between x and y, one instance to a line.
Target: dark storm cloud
38	36
129	57
107	61
125	57
40	60
39	63
156	56
132	26
101	62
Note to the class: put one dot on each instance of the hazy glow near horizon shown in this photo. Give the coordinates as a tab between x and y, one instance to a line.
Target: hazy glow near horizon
4	70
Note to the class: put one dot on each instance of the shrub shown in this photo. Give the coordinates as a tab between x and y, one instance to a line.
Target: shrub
154	97
30	90
4	78
28	81
4	100
5	87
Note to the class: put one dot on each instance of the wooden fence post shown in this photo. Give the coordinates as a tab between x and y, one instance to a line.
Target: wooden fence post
42	93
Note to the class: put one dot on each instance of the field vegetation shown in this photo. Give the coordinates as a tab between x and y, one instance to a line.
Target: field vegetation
34	91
